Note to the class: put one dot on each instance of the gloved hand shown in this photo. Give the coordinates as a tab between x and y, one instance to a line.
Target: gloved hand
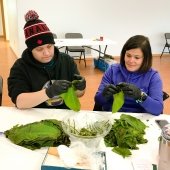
57	88
110	90
81	83
130	90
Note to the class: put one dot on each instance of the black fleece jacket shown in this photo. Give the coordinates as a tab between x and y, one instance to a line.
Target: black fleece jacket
29	75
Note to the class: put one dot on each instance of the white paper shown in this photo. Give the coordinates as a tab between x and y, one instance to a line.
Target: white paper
141	164
15	157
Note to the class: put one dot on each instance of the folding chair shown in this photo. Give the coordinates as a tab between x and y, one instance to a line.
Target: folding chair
167	44
165	95
97	107
54	35
79	49
1	89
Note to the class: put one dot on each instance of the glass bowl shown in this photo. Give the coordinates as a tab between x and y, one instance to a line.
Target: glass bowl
87	127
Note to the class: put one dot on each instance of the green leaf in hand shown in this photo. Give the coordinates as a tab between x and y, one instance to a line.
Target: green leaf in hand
71	100
118	101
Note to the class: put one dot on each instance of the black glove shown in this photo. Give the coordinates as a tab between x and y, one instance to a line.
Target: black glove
57	88
110	90
80	84
130	90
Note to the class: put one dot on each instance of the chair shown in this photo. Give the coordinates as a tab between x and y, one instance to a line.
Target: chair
97	107
167	44
54	35
1	89
79	49
165	95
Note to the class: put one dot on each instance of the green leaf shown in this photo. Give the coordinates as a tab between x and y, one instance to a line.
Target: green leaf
71	100
134	122
118	101
122	151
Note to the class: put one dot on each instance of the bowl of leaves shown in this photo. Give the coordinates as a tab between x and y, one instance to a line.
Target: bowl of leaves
88	128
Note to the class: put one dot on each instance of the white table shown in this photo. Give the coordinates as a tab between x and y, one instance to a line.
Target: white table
85	43
16	157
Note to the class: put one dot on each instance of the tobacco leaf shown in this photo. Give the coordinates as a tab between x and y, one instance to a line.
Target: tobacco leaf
126	133
71	100
122	151
118	101
35	135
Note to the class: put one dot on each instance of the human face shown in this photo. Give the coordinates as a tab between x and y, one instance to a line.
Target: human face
43	53
133	59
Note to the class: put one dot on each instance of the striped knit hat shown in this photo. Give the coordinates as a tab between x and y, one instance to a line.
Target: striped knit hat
36	31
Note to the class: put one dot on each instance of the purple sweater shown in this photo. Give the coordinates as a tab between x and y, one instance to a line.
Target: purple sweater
149	82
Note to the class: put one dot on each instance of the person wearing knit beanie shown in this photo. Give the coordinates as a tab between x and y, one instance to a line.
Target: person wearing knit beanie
43	73
36	31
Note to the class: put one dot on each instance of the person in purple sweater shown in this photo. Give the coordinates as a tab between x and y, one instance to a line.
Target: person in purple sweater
141	84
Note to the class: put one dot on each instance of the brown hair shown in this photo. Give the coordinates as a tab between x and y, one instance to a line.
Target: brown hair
142	42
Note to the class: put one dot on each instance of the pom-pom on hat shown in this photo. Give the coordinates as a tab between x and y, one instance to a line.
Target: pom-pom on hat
36	31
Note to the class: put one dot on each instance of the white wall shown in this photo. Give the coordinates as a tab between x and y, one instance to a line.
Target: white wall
6	19
114	19
11	22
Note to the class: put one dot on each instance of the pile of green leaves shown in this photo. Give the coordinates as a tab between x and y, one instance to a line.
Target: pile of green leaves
38	134
126	133
70	98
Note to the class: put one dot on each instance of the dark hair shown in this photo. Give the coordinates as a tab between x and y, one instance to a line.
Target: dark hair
142	42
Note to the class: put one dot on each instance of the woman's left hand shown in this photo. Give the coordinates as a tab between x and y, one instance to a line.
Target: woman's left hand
130	90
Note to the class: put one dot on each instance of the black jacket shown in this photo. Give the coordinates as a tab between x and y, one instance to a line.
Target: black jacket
28	75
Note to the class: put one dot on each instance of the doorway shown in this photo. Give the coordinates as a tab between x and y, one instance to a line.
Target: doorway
2	21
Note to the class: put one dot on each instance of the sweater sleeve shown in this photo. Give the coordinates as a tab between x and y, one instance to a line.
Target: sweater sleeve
154	102
17	81
99	98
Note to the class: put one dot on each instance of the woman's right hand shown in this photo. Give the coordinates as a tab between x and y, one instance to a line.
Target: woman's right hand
110	90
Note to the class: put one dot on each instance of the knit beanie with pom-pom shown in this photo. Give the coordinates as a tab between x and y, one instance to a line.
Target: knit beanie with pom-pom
36	31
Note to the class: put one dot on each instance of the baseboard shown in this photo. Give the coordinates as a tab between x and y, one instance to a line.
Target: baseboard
15	56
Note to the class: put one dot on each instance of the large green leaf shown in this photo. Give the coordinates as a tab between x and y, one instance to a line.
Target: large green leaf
134	122
71	100
35	135
118	101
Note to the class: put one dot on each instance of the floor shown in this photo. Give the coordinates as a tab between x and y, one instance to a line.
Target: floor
93	76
